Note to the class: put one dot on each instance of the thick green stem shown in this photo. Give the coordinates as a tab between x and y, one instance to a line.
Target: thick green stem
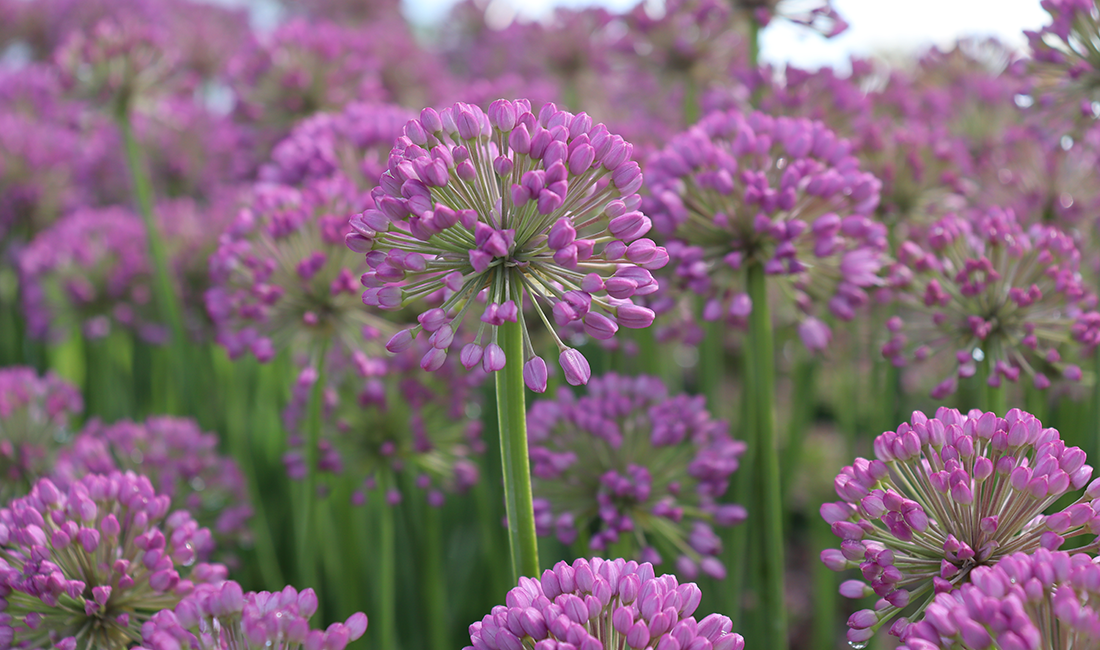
307	558
768	526
737	549
712	353
993	397
387	571
433	582
512	421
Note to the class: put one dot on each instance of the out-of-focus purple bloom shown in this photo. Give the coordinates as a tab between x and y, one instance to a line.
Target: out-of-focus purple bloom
602	604
627	463
780	192
34	423
984	289
179	459
385	416
946	495
282	277
1041	600
82	568
223	617
91	271
517	209
1065	56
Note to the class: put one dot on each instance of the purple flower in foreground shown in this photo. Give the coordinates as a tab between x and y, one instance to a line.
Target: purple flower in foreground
989	292
385	416
946	495
1043	600
34	422
1064	52
179	459
598	603
629	464
785	193
518	209
223	617
83	568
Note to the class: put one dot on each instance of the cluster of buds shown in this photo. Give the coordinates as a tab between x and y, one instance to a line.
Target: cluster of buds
1065	54
515	209
947	495
223	617
990	292
34	423
600	603
84	568
632	464
735	190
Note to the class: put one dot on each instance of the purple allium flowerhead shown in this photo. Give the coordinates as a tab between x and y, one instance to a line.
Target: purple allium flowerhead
34	423
179	459
594	604
83	568
282	277
91	271
1039	601
785	193
385	416
630	464
223	617
505	211
119	64
945	495
1065	59
984	289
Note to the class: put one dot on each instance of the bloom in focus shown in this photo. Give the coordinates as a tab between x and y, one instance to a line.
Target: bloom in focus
384	416
993	294
629	464
945	495
1027	601
602	604
522	210
85	567
179	459
736	190
34	422
223	617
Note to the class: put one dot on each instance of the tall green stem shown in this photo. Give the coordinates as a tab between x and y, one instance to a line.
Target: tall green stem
387	571
712	353
512	421
993	398
433	583
760	357
307	559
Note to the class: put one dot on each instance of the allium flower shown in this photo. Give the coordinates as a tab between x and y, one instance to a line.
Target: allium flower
180	461
784	193
600	603
84	568
627	463
223	617
282	276
509	206
1043	600
384	416
991	293
34	422
1065	51
90	270
944	496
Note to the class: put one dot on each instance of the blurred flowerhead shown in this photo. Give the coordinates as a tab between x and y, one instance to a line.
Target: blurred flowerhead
1066	61
989	292
602	604
34	423
945	495
180	461
1027	601
385	417
223	617
517	210
83	568
628	464
784	193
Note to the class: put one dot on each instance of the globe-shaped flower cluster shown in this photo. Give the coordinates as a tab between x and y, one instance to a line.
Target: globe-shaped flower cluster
84	568
519	210
631	465
946	495
598	603
34	423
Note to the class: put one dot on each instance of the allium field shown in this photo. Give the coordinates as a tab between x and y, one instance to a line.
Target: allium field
588	333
